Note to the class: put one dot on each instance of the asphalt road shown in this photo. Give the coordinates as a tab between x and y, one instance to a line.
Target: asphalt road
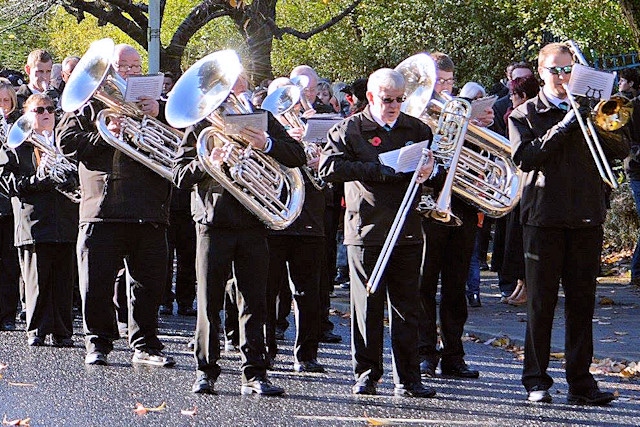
53	387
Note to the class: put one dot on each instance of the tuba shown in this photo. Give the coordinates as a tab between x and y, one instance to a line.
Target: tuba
272	192
281	103
143	138
53	163
485	175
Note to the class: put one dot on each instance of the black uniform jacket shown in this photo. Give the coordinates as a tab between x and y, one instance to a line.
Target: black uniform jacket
562	184
41	213
311	219
351	156
210	204
632	163
115	188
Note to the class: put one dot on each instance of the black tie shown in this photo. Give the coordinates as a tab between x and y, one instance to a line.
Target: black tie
563	106
387	128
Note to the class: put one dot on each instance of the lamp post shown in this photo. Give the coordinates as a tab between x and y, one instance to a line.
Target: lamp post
153	36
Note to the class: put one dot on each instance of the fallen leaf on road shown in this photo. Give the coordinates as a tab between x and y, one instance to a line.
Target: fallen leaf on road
606	301
557	356
375	421
621	333
142	410
18	422
190	412
21	384
3	366
608	340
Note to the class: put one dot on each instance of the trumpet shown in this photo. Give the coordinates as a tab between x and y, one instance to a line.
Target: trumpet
272	192
281	103
53	163
609	115
143	138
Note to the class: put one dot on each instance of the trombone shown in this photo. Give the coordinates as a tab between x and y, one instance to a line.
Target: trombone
609	115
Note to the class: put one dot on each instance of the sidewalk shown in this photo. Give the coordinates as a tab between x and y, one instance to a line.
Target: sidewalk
615	322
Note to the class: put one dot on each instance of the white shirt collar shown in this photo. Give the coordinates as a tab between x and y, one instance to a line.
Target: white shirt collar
552	98
378	119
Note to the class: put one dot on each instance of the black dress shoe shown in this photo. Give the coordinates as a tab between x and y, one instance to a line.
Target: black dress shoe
8	326
460	370
165	310
330	337
36	341
61	341
96	358
413	390
367	387
591	397
203	384
308	366
474	300
428	369
539	395
187	311
261	386
279	334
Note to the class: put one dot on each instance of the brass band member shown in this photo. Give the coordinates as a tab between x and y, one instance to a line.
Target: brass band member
230	236
562	212
123	215
373	195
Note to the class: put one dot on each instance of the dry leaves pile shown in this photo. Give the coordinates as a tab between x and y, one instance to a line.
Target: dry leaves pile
622	369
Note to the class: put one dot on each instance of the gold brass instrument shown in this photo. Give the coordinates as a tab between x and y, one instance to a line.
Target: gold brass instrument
281	103
53	163
485	175
609	115
272	192
143	138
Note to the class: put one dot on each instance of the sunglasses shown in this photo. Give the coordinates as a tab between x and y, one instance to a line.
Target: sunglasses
41	110
446	81
557	70
399	99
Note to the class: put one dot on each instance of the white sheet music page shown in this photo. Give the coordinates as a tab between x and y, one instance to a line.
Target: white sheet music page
404	159
479	106
318	126
589	82
234	123
150	86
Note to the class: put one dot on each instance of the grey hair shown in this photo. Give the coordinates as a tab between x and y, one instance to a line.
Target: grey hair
472	90
385	78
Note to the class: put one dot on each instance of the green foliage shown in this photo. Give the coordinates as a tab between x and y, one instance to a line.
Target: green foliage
622	225
16	44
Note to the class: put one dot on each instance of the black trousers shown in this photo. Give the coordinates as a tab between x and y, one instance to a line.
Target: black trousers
216	250
9	272
102	249
181	239
331	220
448	255
399	288
48	270
301	253
572	255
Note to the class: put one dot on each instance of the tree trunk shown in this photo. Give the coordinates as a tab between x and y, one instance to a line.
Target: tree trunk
631	12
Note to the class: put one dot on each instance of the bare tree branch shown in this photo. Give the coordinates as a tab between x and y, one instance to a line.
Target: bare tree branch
279	32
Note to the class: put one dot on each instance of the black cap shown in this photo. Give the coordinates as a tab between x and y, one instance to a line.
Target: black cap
15	77
358	88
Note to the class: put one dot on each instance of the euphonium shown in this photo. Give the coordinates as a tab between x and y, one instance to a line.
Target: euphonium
485	175
53	163
272	192
281	103
143	138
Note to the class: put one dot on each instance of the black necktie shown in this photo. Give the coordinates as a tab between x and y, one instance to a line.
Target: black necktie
387	128
563	106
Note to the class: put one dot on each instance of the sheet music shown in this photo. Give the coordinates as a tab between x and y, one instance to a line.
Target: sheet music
318	127
404	159
589	82
234	123
138	86
479	106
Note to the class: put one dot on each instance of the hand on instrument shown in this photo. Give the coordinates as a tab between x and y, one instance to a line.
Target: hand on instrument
218	155
308	113
296	133
313	163
389	174
70	184
114	126
149	106
255	137
427	167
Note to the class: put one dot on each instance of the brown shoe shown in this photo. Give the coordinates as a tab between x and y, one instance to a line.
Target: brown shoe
521	298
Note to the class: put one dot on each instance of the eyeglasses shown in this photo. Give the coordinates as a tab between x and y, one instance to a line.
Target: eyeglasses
557	70
40	110
134	68
398	99
446	81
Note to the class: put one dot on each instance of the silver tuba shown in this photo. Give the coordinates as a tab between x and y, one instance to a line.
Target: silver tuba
281	103
485	175
53	163
143	138
272	192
